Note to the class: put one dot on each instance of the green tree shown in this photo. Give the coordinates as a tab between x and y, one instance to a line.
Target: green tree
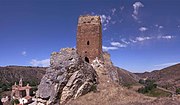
149	85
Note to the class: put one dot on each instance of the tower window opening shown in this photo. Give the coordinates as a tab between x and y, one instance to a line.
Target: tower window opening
87	42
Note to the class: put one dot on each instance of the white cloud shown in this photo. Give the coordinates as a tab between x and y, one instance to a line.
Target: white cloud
167	64
160	66
122	8
142	29
105	20
159	26
113	22
165	37
136	7
23	53
135	17
41	63
105	48
113	11
125	41
143	38
117	44
133	41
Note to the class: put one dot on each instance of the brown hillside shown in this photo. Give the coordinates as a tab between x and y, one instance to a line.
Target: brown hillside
11	74
168	78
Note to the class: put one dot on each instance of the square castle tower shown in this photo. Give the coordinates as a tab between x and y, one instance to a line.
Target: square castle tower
89	38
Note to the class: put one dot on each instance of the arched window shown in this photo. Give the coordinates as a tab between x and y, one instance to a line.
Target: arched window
87	42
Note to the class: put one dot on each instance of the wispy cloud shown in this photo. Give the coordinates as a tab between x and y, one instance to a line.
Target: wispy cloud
24	53
105	20
159	26
113	11
105	48
140	39
166	37
118	44
127	42
142	29
123	42
122	8
41	63
136	7
160	66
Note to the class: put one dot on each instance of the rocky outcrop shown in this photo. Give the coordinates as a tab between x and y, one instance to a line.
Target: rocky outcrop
68	77
118	75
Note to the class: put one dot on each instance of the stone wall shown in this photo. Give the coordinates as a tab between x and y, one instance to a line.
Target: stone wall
89	37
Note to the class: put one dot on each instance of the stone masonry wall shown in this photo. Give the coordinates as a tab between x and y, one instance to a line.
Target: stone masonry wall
89	37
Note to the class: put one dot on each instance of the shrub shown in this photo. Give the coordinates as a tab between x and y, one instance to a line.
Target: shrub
93	88
128	85
141	81
149	85
15	101
178	91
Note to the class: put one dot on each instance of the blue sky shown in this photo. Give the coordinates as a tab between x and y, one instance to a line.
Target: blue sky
140	35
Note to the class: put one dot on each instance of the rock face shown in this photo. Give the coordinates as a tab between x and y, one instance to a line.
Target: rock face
68	77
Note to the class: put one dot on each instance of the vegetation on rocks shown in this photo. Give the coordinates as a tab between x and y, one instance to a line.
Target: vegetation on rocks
178	91
15	102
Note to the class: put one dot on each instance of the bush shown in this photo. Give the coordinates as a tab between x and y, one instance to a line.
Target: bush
33	89
15	101
128	85
93	88
141	81
178	91
149	85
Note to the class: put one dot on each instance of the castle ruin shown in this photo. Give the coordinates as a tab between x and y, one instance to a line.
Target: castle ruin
89	37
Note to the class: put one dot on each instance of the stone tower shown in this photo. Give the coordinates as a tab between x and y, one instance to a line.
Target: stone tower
89	37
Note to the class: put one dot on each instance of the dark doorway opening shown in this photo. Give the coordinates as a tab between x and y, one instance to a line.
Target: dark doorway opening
86	59
87	42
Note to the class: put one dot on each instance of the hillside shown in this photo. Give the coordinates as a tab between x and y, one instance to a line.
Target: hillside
11	74
168	78
127	77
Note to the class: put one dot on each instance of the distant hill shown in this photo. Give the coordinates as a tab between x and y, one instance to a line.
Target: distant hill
126	77
11	74
168	78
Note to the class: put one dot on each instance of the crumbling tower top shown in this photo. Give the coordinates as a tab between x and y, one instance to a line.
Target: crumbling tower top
89	20
89	37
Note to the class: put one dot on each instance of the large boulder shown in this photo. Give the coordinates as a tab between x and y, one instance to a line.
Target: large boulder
68	77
